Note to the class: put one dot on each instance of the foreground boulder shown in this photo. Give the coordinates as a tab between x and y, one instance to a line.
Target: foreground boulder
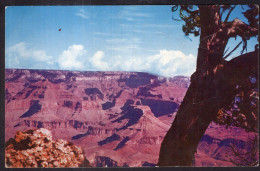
35	148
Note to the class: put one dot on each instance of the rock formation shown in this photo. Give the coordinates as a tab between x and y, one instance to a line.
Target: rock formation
36	148
118	118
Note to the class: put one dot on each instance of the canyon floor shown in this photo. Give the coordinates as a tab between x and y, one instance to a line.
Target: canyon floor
118	118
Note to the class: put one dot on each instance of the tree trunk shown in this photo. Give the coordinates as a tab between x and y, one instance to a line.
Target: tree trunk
202	101
211	88
190	123
198	107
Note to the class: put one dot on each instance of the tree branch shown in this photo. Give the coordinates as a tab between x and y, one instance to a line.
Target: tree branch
239	28
249	59
235	72
246	65
229	12
226	51
232	51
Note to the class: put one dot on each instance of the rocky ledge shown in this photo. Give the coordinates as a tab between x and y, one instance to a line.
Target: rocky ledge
35	148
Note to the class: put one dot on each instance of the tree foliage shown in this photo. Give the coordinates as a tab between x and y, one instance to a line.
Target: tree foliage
242	110
190	14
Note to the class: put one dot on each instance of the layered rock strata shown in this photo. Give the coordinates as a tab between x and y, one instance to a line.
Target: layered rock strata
36	148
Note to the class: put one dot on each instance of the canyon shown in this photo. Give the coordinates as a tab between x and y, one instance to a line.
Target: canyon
118	118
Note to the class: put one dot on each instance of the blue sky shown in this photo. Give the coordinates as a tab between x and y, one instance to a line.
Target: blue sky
100	38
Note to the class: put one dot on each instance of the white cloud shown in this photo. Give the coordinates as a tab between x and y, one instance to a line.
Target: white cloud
97	61
20	56
117	61
134	64
165	63
171	63
22	50
82	13
71	58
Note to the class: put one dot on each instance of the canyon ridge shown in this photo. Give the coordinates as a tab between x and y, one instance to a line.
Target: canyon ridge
119	119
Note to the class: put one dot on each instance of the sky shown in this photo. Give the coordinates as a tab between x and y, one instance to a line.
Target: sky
101	38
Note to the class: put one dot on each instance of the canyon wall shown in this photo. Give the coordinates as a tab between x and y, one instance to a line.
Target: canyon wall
118	118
